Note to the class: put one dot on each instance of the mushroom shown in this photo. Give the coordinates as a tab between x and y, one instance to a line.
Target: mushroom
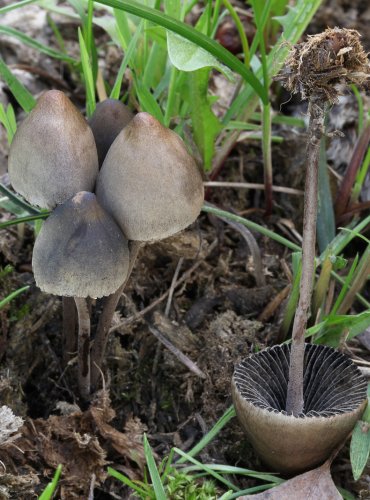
149	182
335	398
53	153
109	118
80	252
153	189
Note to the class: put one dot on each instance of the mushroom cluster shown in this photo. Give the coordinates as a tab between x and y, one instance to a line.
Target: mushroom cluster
148	188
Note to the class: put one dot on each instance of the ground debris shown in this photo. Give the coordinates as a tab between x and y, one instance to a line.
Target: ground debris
83	442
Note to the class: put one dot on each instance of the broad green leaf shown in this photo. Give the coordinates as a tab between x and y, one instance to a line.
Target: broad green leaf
206	126
186	56
360	448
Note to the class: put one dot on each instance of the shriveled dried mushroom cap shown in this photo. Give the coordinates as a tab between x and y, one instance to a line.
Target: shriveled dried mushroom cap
80	251
109	118
53	153
149	182
334	395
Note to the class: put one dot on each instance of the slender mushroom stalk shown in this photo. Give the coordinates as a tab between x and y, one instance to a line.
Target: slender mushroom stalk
314	69
80	252
105	319
152	187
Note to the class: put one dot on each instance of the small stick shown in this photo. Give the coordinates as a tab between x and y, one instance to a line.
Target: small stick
172	287
180	356
83	348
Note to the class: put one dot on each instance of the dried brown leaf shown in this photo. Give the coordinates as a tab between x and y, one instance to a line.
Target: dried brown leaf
312	485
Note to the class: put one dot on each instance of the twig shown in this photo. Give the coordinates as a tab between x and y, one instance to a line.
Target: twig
176	352
172	287
251	185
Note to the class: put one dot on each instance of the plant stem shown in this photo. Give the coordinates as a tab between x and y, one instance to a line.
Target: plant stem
83	349
316	111
69	329
105	320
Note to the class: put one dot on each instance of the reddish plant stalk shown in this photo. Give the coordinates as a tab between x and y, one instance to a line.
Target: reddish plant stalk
295	401
83	348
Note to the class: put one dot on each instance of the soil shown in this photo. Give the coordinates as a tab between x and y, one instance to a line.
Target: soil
216	313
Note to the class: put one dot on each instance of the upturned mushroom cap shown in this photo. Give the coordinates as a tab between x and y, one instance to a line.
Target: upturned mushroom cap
335	398
109	118
53	153
80	251
149	182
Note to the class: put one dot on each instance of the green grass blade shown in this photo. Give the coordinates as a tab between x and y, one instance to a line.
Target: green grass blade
160	494
360	444
219	425
125	480
20	220
206	469
194	36
12	296
252	225
88	75
325	215
6	123
51	487
18	201
116	90
17	5
31	42
19	91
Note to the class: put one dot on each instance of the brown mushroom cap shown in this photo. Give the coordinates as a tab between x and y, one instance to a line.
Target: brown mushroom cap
109	118
80	251
53	153
335	398
149	182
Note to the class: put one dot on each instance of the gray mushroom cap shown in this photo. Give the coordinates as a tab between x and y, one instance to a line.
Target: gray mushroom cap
53	153
109	118
80	251
149	182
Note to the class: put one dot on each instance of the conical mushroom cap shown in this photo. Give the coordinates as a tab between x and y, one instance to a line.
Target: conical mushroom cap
109	118
80	251
334	396
149	182
53	153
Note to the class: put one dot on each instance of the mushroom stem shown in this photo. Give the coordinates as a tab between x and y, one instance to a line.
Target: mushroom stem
69	329
316	111
83	349
106	316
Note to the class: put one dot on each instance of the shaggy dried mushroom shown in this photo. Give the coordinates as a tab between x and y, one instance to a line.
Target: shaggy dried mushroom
53	153
109	118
